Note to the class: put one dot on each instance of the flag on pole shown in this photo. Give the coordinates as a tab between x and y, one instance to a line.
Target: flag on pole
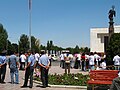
30	4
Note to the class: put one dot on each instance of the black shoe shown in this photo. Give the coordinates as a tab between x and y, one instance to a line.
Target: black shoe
3	82
43	86
30	86
16	83
23	86
47	86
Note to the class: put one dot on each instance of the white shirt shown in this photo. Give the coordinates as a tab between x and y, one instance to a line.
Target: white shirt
23	58
78	56
116	60
91	60
62	57
97	57
37	56
103	65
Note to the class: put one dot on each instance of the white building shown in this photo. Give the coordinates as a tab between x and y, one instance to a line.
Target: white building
99	38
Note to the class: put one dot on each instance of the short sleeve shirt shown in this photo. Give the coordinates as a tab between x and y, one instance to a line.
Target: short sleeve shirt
31	60
44	60
116	60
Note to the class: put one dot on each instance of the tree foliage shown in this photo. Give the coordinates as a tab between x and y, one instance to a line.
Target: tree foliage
35	44
3	38
23	43
113	47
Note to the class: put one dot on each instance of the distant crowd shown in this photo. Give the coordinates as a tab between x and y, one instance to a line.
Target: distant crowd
33	62
88	61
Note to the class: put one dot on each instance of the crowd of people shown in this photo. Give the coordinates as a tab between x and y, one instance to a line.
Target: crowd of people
29	62
87	61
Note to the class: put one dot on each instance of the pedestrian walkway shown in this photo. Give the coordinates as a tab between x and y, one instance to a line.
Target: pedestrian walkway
36	86
59	70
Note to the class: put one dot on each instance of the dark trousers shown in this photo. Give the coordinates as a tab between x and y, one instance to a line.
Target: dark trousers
29	73
82	65
2	73
62	63
77	64
44	76
67	67
22	65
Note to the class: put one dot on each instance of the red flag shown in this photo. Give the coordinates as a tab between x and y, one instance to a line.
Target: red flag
30	4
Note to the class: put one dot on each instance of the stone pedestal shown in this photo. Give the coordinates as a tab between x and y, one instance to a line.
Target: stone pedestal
111	29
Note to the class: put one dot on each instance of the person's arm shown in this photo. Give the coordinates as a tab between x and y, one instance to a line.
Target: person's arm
41	65
5	62
28	64
18	64
47	67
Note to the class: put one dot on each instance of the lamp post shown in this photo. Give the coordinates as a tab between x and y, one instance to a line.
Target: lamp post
30	13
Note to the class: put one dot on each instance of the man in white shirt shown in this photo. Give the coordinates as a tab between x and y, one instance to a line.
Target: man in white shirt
37	67
62	62
91	61
22	59
97	58
103	65
116	60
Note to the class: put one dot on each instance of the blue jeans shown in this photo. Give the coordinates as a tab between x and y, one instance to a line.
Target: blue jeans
16	73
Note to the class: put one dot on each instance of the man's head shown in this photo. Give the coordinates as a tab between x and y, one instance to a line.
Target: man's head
42	52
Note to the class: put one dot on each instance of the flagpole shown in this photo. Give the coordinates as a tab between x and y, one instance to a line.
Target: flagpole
30	12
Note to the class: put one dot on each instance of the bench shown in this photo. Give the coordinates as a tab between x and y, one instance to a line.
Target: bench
101	77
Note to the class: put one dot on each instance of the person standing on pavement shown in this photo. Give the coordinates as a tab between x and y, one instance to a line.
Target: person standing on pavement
3	66
91	59
116	60
97	59
83	62
45	64
67	65
14	65
37	67
29	69
62	61
22	59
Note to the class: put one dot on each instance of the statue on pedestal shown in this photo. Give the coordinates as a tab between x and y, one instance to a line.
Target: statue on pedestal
112	14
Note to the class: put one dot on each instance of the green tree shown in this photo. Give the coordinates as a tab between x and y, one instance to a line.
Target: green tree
3	38
113	47
15	47
86	49
43	47
35	45
50	46
23	43
10	48
76	49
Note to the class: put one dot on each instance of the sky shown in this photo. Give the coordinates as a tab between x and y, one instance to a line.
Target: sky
66	22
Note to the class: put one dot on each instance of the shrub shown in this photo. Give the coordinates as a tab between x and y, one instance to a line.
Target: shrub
68	79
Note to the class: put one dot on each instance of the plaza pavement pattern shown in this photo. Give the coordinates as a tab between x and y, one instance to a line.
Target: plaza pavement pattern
36	86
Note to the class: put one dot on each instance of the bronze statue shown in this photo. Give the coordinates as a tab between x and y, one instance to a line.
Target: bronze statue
112	13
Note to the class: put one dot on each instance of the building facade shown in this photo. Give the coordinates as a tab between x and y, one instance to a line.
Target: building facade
99	38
